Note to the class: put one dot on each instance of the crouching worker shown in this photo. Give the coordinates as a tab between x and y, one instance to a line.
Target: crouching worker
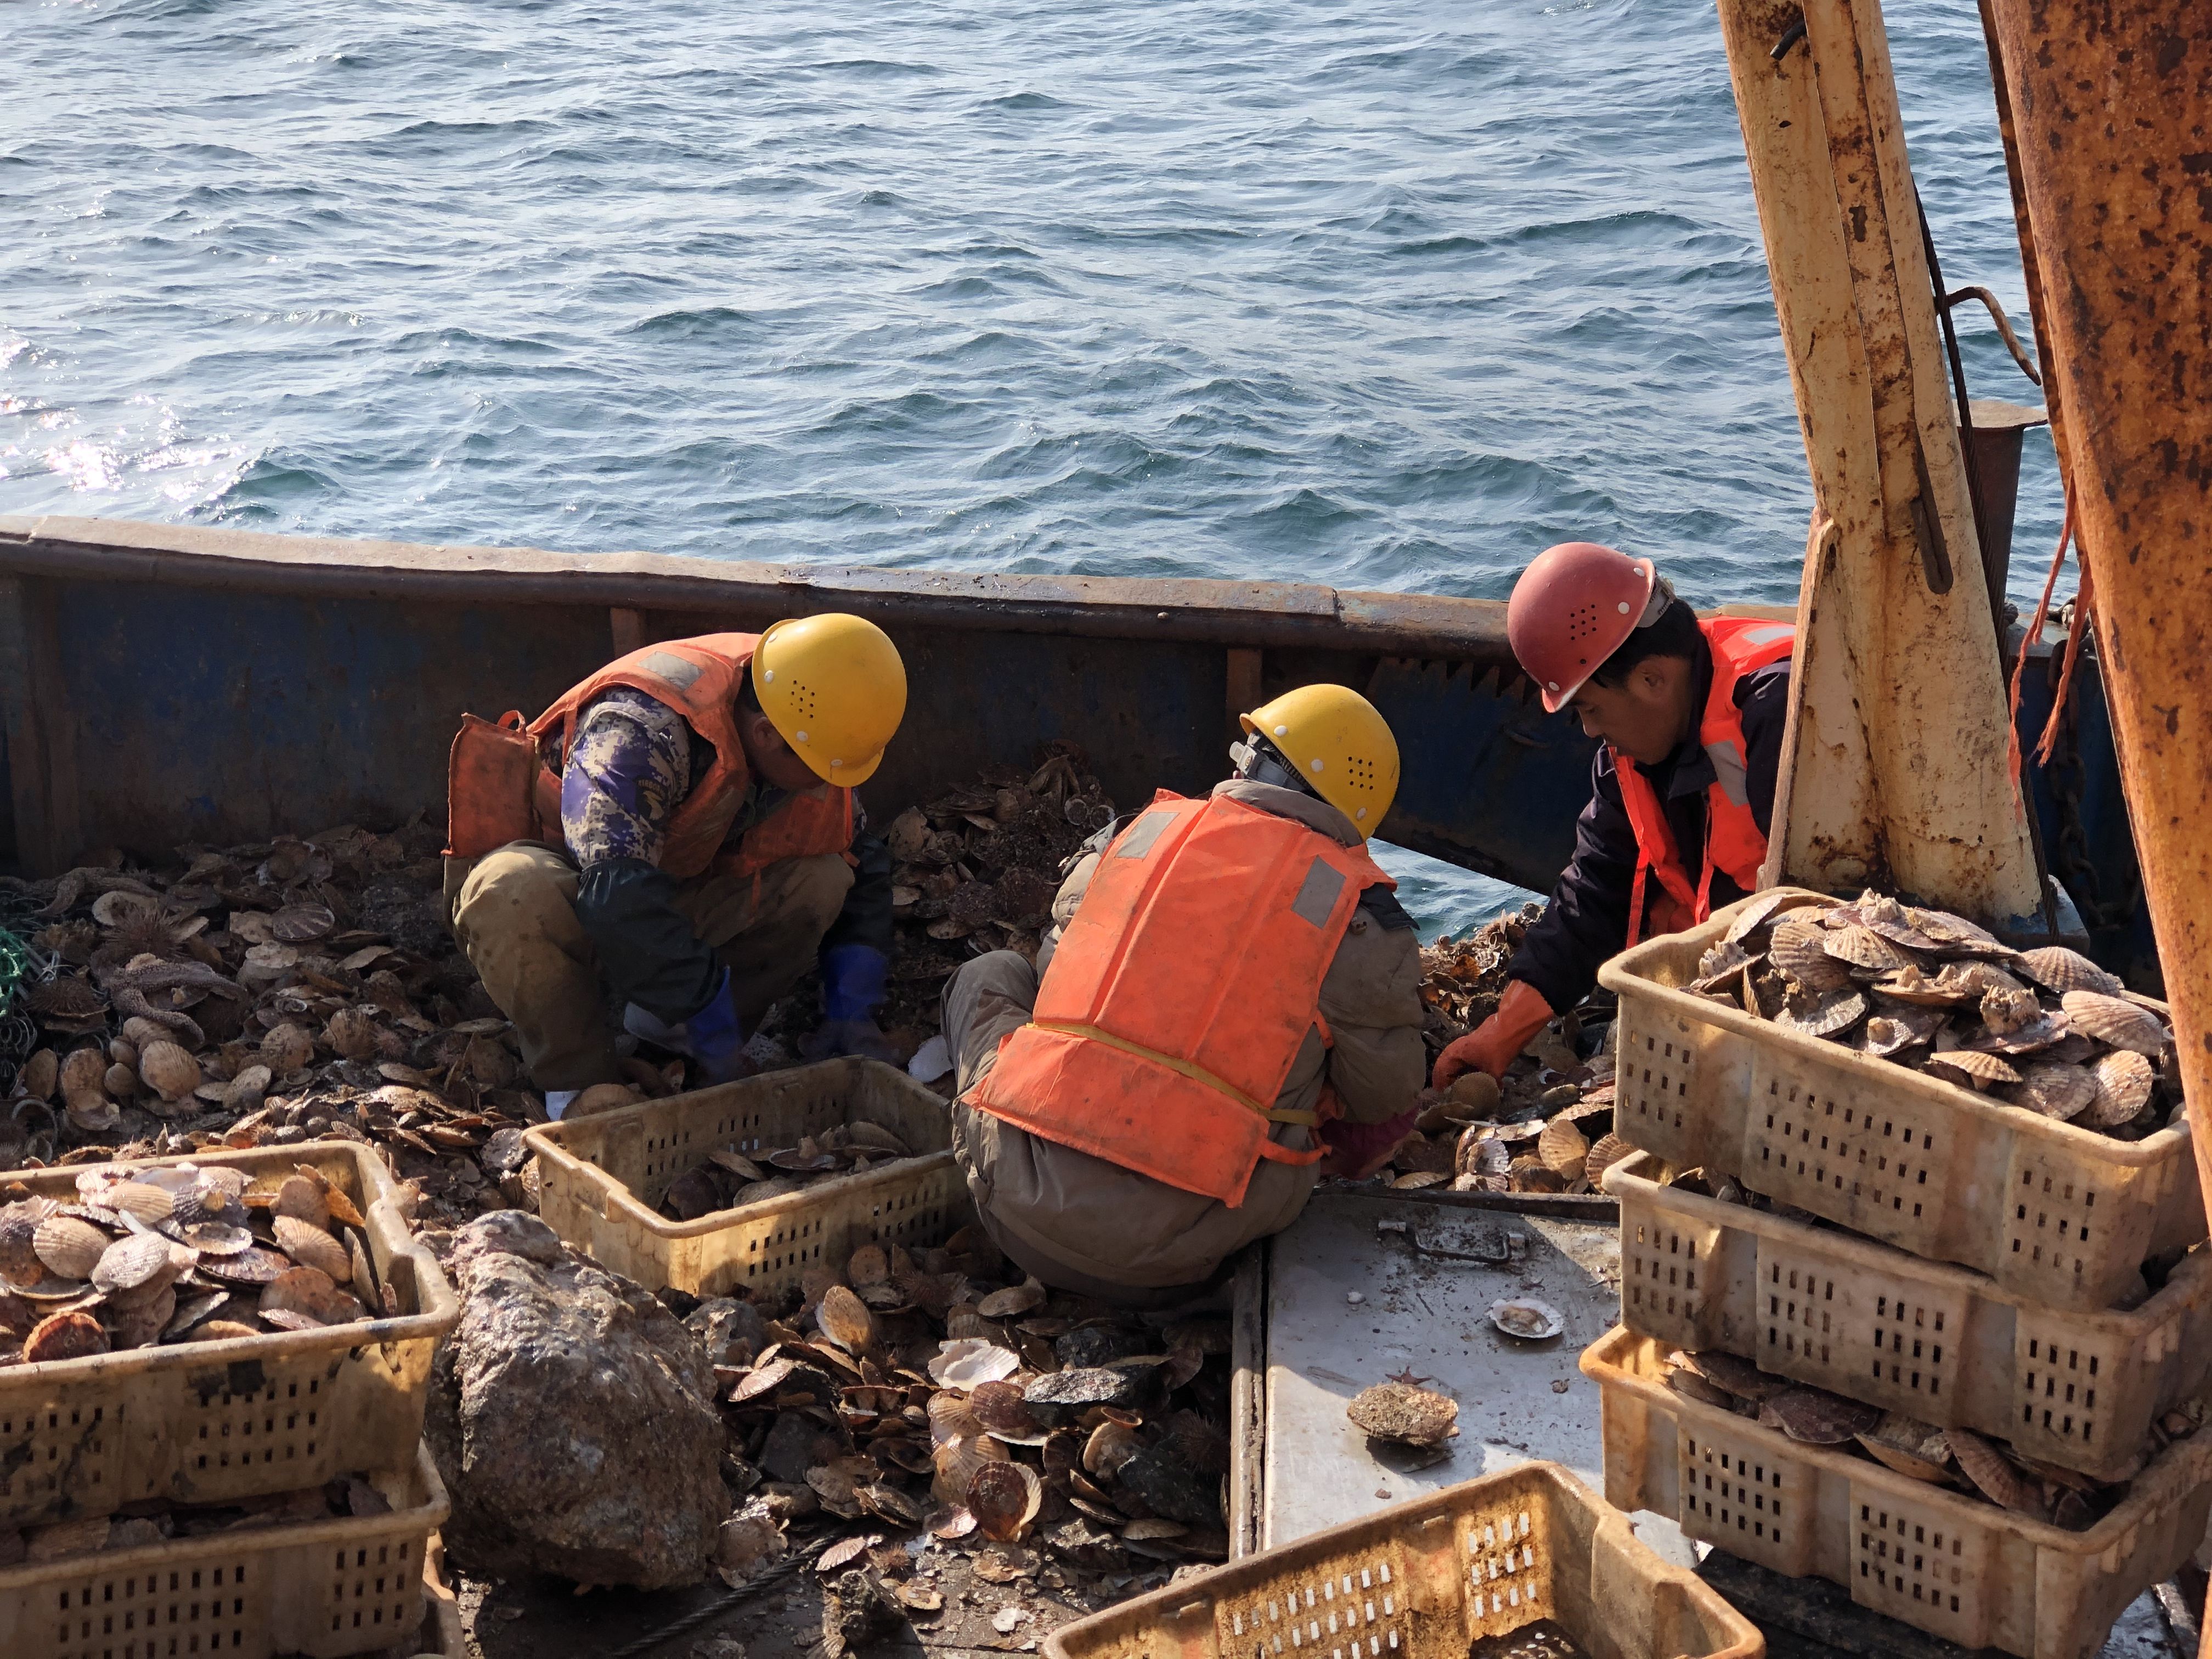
1230	1007
681	828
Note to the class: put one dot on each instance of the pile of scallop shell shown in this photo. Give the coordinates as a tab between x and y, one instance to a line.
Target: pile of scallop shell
943	1392
1958	1458
180	1253
726	1179
2045	1030
270	994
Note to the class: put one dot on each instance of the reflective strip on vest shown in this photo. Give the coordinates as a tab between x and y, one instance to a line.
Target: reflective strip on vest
1181	994
1734	843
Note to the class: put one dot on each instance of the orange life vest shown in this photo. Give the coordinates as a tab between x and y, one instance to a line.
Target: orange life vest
1180	994
699	678
1734	844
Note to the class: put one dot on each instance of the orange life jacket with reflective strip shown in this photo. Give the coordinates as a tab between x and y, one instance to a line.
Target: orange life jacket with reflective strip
1734	844
697	677
1180	994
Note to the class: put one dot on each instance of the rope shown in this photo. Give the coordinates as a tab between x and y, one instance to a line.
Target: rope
795	1563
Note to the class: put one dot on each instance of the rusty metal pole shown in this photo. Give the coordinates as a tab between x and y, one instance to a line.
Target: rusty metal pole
2110	107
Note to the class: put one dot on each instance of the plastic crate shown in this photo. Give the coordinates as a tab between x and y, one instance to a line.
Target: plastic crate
201	1422
1938	1343
1427	1578
1934	1558
2060	1214
601	1178
320	1587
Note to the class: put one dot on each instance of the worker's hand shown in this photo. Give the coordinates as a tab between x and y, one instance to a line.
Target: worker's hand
1492	1046
715	1040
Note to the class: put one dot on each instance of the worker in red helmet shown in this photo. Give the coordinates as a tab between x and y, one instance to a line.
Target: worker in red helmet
1689	717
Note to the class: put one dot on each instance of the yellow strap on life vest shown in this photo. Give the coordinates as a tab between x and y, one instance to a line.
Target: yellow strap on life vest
1184	1068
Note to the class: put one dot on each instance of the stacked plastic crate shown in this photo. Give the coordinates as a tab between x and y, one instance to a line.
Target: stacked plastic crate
1991	1280
130	1433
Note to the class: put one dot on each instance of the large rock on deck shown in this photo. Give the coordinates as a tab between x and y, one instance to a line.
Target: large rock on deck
573	1418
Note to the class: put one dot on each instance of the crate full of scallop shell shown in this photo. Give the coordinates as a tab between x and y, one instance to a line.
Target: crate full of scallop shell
218	1327
1951	1532
1901	1073
1720	1274
740	1188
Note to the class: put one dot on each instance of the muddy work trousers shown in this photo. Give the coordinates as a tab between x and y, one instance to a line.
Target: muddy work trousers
514	911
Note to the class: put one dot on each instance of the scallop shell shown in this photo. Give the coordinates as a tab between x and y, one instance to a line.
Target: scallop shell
1908	1446
1863	949
213	1239
65	1336
1525	1318
1111	1444
1916	989
2124	1079
148	1203
1722	958
951	1418
1608	1150
1563	1148
845	1320
2056	1089
309	1291
958	1462
1897	1029
1800	950
290	1319
1737	1376
302	1199
250	1266
1979	1071
298	924
1992	1473
2005	1011
1684	1381
70	1247
1005	1498
19	1254
963	1363
169	1070
129	1263
1817	1418
311	1247
1012	1303
1761	910
2115	1023
1829	1015
2063	970
1399	1412
192	1311
140	1321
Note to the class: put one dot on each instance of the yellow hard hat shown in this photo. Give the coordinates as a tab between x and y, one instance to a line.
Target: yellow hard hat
833	685
1341	744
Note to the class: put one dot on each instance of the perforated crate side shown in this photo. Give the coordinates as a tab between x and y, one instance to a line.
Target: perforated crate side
1936	1559
2077	1388
240	1419
324	1589
1423	1579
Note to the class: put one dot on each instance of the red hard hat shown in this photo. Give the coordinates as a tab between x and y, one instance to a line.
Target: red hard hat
1574	606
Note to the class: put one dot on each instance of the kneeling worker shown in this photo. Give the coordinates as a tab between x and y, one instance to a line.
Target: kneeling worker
682	825
1234	993
1690	716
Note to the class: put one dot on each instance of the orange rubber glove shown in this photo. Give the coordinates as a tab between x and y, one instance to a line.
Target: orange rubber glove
1492	1046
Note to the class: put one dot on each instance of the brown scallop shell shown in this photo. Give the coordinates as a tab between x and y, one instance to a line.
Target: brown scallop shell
1764	908
1992	1473
1899	1027
1908	1446
1954	935
1863	949
1563	1148
1978	1071
1684	1381
951	1418
1800	950
1722	958
19	1253
2056	1089
290	1319
2124	1079
1735	1374
309	1291
70	1247
2065	970
1608	1150
140	1321
2115	1023
1012	1302
65	1336
1827	1015
1816	1417
213	1239
302	1199
845	1319
311	1247
2003	1010
1005	1498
